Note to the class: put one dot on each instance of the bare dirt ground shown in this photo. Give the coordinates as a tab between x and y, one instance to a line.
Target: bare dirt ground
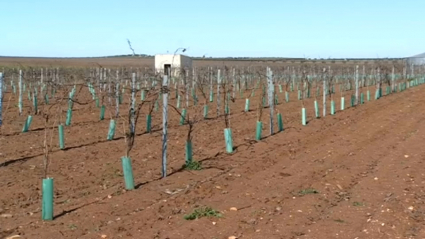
356	174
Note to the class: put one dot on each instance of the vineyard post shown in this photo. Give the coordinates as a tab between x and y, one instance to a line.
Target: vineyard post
186	86
117	96
271	96
164	124
211	84
378	84
218	92
234	82
109	88
193	89
104	79
393	79
357	85
100	80
41	81
20	92
133	102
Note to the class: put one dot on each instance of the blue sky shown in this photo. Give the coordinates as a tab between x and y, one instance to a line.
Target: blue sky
217	28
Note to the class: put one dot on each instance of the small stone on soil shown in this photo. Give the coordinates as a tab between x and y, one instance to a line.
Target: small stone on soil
14	237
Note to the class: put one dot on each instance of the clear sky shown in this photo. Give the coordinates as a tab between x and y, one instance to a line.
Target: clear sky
217	28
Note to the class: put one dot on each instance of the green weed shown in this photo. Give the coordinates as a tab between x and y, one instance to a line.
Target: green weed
194	165
203	212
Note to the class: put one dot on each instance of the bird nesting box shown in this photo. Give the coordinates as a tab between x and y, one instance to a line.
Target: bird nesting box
172	64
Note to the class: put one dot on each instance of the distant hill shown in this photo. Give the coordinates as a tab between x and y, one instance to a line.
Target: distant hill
422	55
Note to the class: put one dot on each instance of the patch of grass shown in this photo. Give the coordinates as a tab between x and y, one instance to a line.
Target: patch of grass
339	221
358	204
194	165
72	227
308	191
202	212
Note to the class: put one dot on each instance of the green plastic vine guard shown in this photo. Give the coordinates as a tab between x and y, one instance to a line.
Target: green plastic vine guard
102	112
61	137
47	199
178	102
258	130
128	173
111	131
205	111
68	117
27	124
228	139
332	107
377	94
286	96
299	94
247	105
316	109
189	152
279	122
148	123
342	103
183	117
211	96
361	98
303	116
143	95
368	95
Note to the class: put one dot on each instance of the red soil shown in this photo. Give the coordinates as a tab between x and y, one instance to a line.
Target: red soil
366	164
